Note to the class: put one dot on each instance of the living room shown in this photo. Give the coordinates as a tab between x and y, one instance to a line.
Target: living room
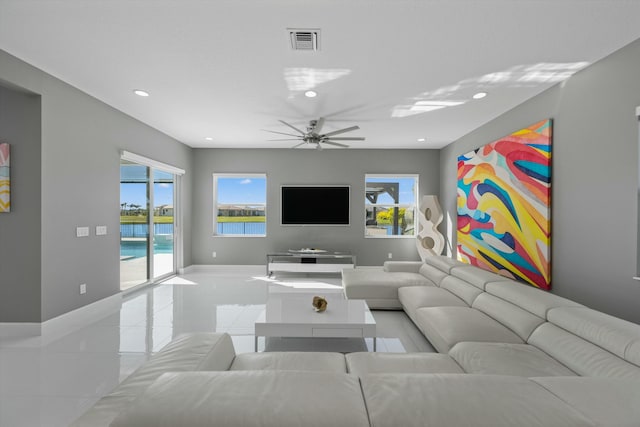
66	147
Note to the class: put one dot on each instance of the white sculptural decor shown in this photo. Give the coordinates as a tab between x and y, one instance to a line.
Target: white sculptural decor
430	241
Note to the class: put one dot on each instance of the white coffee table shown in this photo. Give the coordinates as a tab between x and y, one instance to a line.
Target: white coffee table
292	315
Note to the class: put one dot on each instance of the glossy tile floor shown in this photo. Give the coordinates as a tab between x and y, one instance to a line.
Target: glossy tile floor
50	382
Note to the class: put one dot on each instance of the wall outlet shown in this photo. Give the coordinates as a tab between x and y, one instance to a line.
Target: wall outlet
83	288
390	255
214	254
101	230
82	231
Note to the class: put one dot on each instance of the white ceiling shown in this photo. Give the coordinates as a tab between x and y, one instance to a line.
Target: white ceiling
224	68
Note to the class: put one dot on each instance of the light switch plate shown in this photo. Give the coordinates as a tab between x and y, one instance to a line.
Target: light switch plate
82	231
101	230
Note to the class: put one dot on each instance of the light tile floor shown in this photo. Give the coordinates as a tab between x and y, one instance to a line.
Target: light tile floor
50	383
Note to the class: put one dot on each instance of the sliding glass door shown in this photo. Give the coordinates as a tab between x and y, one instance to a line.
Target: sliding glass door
163	224
147	231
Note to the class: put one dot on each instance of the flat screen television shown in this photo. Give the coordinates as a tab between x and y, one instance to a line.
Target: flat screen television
315	204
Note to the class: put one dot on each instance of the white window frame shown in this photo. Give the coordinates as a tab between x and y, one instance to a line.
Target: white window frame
215	202
414	205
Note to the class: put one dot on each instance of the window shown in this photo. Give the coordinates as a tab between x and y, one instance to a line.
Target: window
240	202
390	205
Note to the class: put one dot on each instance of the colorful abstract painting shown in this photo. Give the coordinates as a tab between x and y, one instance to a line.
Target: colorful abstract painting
5	178
504	206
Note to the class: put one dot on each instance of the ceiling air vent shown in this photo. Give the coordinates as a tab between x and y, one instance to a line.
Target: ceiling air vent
304	39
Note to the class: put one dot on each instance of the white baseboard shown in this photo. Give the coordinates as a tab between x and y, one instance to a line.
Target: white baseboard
213	268
53	329
21	329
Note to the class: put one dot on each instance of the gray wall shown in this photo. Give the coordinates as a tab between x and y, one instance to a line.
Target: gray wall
301	166
594	178
81	142
20	228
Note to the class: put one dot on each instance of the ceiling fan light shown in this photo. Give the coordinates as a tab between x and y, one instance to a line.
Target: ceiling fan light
141	92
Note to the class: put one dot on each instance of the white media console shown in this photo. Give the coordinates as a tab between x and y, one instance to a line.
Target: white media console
310	261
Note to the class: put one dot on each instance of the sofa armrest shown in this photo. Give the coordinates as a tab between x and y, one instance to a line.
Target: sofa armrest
189	352
403	266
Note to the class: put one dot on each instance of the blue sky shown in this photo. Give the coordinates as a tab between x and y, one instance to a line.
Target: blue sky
241	190
135	189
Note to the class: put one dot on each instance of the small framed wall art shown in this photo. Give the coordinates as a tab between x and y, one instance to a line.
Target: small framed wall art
5	178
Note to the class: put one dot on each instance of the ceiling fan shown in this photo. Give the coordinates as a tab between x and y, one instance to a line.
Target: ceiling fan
313	135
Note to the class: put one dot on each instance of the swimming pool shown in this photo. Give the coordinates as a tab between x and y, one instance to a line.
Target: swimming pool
138	248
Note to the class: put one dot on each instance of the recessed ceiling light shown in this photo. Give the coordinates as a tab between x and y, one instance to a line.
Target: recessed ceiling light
209	138
311	94
421	139
140	92
479	95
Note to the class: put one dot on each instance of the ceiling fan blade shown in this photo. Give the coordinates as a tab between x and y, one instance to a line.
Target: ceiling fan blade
335	143
347	138
336	132
319	125
292	127
285	139
298	145
281	133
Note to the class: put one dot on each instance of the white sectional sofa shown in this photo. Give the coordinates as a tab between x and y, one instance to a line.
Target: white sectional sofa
509	355
494	325
198	380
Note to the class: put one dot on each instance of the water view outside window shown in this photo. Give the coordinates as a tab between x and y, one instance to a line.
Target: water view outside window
146	224
390	205
240	204
134	228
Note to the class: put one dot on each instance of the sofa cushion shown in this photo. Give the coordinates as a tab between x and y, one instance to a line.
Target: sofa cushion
611	333
448	400
446	326
415	297
579	355
513	317
432	273
506	359
476	276
532	299
290	361
378	287
461	289
249	398
363	363
402	266
443	263
610	402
